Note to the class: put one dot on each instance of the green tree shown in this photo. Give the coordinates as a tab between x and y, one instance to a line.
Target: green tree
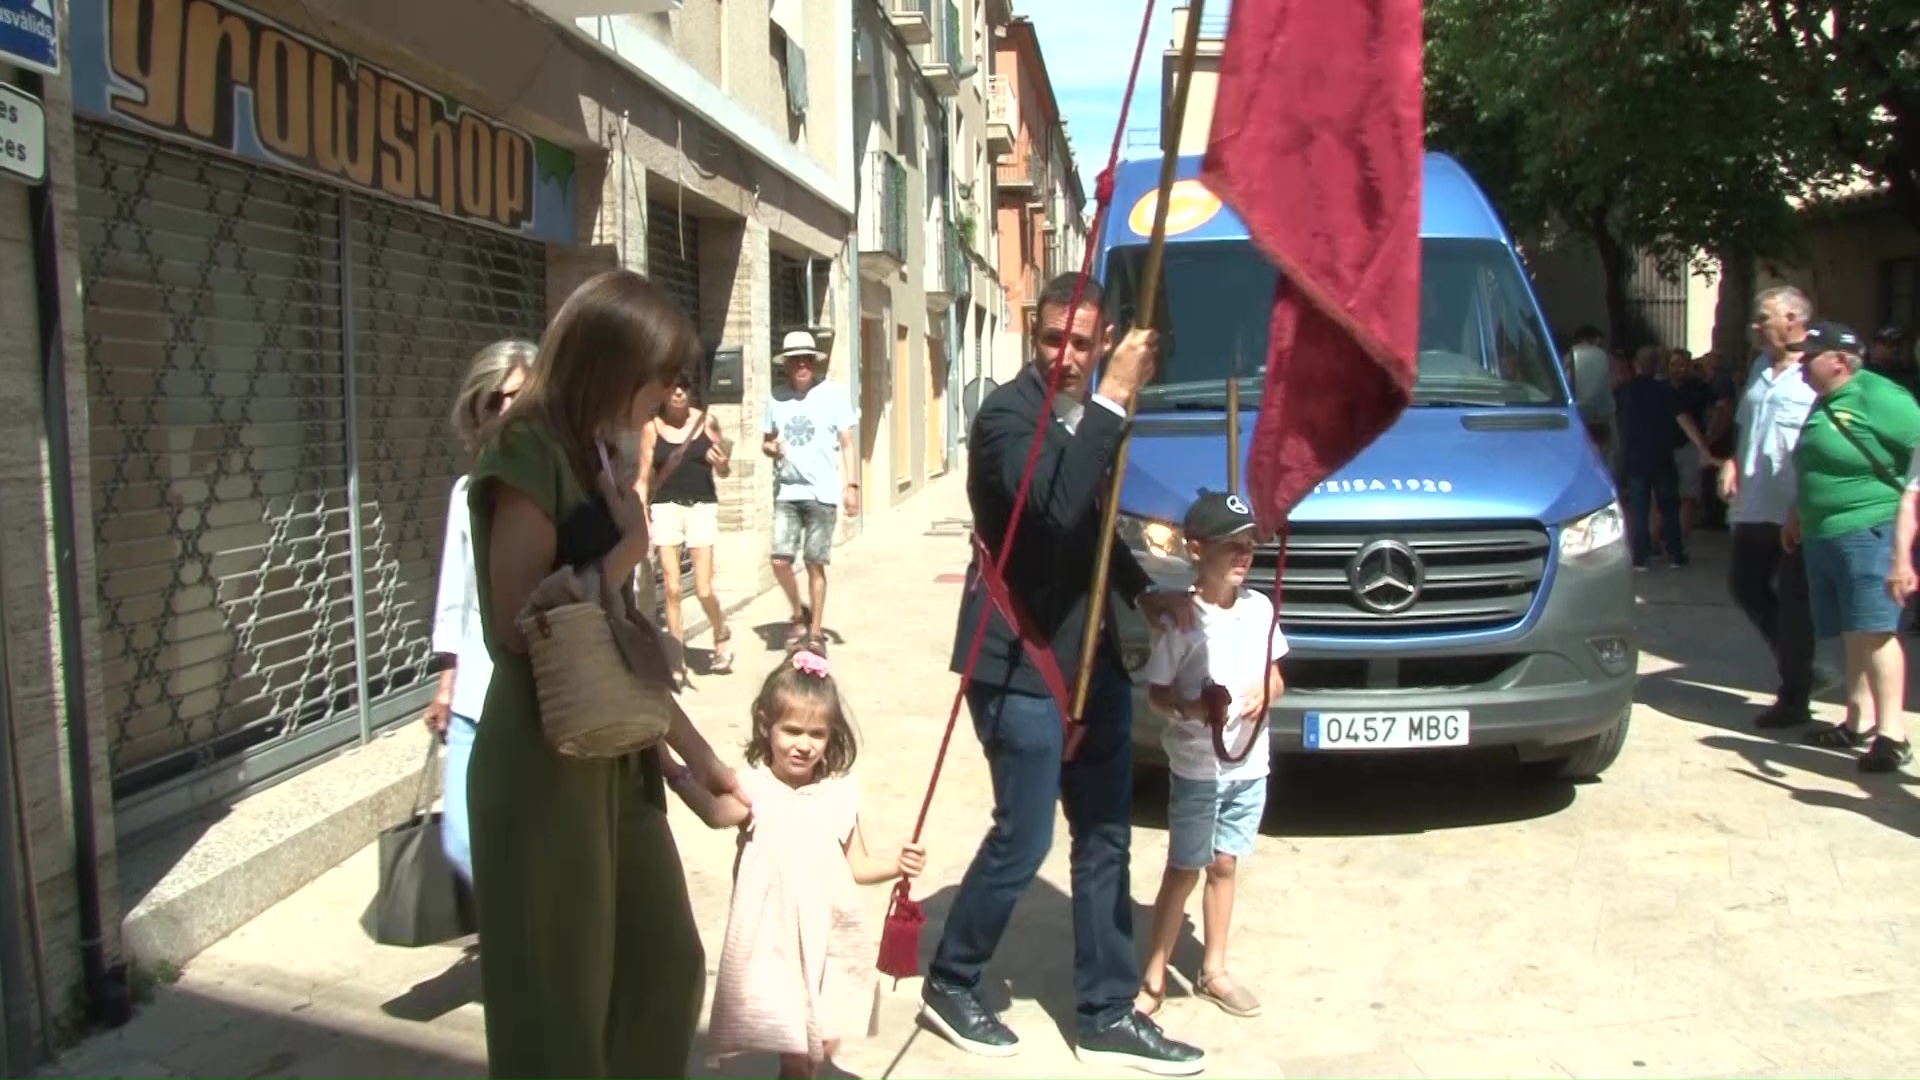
1853	69
1639	125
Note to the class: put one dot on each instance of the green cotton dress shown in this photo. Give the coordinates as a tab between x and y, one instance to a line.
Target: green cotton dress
591	964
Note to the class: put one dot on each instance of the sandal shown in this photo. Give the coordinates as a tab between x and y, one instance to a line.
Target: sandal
1154	1000
797	629
1238	1001
817	645
722	662
1886	755
1840	737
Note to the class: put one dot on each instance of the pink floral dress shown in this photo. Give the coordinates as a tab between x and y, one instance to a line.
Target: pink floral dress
796	970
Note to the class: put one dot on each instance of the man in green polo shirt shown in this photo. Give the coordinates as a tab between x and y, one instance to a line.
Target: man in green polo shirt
1848	461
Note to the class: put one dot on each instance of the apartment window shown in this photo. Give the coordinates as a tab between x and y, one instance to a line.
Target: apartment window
1900	293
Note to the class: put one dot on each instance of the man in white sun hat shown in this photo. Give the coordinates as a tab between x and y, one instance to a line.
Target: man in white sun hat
809	436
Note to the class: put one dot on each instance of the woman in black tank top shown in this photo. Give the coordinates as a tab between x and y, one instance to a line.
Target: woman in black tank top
681	452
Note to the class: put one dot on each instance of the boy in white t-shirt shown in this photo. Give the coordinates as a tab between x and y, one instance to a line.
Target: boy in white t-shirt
1229	664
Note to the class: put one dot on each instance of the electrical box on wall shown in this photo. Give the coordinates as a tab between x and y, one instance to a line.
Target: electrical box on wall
726	376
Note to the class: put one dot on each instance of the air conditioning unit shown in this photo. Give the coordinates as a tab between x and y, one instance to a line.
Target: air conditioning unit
566	11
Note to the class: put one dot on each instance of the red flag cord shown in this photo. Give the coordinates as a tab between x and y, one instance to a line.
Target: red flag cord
904	917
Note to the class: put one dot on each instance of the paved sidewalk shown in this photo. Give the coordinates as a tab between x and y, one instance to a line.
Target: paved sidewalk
1721	904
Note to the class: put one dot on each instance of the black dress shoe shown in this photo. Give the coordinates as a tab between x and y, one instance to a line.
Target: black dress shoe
1135	1042
961	1018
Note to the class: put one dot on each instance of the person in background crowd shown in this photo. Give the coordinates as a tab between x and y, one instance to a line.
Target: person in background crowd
590	959
1725	394
809	436
1890	358
1651	421
681	451
493	378
1691	450
1767	578
1861	429
1601	429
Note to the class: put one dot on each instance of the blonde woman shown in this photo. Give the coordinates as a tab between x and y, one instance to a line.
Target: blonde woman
681	452
493	378
590	964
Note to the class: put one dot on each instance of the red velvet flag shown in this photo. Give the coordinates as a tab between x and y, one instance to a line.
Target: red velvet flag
1317	145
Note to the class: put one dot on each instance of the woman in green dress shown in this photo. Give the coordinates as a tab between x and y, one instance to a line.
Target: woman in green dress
591	964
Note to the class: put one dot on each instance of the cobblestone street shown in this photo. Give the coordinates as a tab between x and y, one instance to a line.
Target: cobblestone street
1719	904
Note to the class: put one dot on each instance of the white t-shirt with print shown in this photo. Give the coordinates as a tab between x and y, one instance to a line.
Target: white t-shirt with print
1229	646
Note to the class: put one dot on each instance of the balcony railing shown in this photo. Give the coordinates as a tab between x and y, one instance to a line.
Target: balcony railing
1026	173
883	213
946	55
1000	112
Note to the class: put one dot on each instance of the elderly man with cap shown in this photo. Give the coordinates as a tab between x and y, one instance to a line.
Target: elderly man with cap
809	435
1861	430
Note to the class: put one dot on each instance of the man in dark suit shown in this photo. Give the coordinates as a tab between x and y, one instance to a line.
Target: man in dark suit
1017	720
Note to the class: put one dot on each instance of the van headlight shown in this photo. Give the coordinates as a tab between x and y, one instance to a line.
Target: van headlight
1597	531
1152	539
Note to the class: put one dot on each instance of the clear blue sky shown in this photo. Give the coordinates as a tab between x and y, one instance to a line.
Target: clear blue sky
1088	45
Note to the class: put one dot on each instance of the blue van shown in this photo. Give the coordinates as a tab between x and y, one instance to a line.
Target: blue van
1465	580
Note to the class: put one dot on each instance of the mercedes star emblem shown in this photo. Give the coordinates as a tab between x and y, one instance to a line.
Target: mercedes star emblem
1386	576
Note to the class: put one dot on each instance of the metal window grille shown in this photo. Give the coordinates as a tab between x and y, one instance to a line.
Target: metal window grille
787	283
1658	304
227	364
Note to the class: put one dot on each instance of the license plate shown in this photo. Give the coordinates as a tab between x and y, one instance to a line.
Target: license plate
1411	730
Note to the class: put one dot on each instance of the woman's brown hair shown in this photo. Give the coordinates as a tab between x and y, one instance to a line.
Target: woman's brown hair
617	334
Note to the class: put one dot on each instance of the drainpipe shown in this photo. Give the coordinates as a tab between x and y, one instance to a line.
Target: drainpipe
855	337
108	1000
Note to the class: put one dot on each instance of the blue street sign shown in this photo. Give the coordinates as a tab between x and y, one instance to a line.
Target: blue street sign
29	36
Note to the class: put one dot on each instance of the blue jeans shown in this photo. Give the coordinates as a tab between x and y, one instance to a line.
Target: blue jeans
1022	737
1644	490
454	834
1847	583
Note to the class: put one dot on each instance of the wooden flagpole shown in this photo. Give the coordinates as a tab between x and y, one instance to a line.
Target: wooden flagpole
1233	416
1176	117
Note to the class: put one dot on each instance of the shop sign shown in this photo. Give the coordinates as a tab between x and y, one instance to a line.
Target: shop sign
223	78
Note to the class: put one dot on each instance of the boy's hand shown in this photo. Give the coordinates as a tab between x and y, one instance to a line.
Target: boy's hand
1253	702
913	860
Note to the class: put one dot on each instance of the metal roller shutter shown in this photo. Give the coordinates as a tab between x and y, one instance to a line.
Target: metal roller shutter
217	336
428	293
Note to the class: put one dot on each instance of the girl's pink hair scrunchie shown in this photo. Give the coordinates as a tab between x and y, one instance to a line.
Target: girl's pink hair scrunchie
811	663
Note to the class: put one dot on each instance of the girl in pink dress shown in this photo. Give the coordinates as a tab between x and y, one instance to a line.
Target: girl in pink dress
797	969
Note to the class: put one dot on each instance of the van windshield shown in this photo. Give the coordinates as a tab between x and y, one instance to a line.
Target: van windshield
1481	342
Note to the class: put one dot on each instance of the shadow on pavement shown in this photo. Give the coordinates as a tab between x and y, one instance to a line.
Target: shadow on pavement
1386	795
185	1033
1035	958
430	999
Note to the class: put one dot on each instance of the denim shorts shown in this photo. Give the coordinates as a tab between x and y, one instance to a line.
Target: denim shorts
1847	583
804	529
1208	817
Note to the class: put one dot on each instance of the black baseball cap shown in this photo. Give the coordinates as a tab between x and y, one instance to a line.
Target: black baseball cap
1216	515
1826	337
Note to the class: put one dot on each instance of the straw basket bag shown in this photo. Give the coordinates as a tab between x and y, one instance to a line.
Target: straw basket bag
593	703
